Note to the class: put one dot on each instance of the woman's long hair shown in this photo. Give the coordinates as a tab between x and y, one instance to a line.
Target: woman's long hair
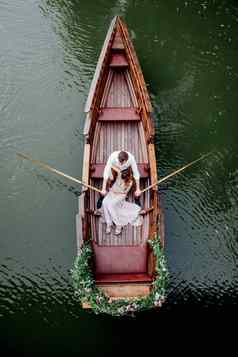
127	176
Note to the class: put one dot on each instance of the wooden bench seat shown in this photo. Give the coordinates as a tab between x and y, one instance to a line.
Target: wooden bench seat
118	114
118	60
96	170
120	259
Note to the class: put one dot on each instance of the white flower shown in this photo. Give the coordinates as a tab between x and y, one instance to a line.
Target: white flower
157	296
158	303
87	290
120	310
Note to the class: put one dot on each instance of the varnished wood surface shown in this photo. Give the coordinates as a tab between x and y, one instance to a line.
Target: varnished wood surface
119	291
126	290
86	164
118	136
118	92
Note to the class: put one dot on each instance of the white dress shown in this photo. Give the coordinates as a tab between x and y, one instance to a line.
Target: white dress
115	208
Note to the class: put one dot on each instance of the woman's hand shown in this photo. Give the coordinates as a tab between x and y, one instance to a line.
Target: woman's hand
137	193
103	192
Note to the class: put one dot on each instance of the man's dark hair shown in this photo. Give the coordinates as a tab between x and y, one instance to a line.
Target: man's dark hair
122	156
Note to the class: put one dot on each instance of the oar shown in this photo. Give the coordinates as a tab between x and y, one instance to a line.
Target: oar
176	172
52	169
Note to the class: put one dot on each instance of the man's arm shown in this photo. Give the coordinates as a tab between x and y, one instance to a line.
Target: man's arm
106	173
136	175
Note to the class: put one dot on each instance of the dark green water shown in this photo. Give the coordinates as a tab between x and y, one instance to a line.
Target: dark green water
188	52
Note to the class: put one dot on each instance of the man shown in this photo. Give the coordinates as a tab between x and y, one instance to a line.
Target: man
121	160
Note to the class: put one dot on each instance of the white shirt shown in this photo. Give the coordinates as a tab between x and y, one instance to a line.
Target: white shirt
113	161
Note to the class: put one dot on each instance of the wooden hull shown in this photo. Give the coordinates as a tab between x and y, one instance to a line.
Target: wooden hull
118	118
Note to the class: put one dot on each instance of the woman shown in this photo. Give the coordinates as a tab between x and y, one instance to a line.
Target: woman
116	209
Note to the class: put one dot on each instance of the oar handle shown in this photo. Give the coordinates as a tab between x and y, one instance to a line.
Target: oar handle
91	187
52	169
149	187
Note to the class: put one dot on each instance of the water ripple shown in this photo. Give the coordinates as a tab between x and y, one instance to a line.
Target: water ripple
23	290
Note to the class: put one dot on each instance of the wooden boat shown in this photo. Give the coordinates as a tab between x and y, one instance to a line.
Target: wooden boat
118	117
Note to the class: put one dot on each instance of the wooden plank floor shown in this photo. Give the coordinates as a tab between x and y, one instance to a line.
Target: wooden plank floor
107	139
118	91
112	136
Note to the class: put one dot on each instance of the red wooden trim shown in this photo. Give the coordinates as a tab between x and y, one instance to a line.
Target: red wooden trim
113	278
118	60
118	114
98	169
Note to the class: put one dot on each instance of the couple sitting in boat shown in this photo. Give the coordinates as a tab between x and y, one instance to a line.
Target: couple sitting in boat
121	173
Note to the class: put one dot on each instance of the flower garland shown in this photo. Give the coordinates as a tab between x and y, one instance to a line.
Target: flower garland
87	291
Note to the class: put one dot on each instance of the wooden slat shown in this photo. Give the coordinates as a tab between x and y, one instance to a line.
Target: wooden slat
117	43
95	143
123	137
118	95
93	198
154	202
153	168
161	223
86	163
143	143
132	134
101	141
81	205
82	220
87	124
115	139
112	136
146	218
131	89
106	138
107	88
135	149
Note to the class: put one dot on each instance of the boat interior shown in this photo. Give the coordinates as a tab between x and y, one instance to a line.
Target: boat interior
119	127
